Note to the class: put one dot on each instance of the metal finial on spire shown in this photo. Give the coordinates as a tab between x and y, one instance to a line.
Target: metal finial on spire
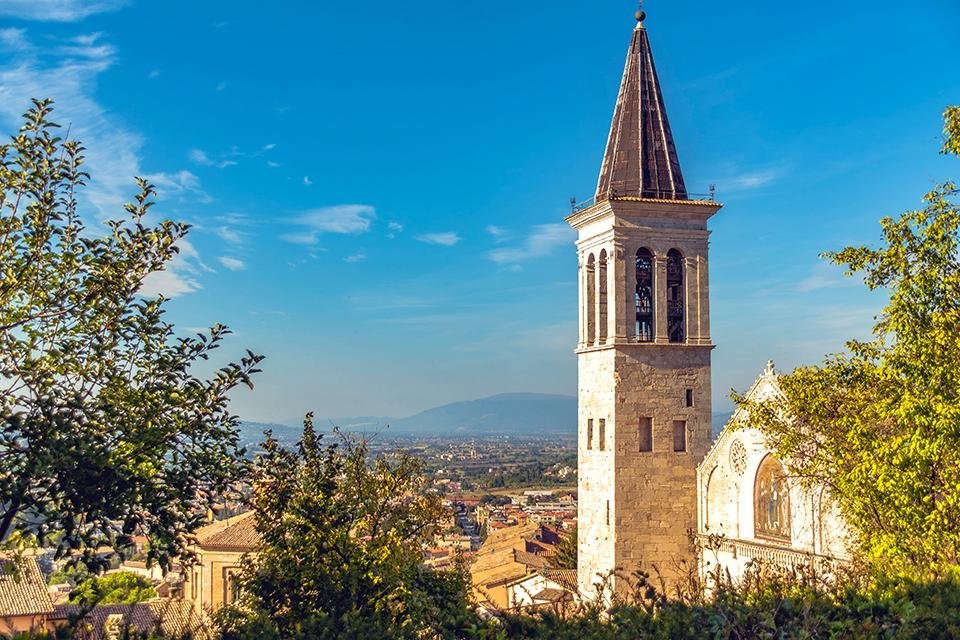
640	15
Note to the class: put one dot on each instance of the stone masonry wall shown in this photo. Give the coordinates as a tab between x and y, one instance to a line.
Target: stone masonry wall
656	490
596	555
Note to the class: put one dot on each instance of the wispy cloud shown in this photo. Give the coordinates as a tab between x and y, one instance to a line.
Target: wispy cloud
357	257
443	239
495	231
307	181
234	264
749	180
155	73
228	158
179	276
542	240
199	156
179	183
231	235
393	229
340	219
68	69
14	40
57	10
826	276
113	151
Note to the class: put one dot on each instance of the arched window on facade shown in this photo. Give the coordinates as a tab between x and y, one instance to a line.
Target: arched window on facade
675	297
771	501
706	499
591	292
643	297
602	297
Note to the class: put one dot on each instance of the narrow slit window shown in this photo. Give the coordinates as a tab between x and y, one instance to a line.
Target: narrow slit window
646	434
603	435
689	397
590	433
679	435
608	513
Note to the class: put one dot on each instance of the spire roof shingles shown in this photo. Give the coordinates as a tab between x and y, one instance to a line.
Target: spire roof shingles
641	159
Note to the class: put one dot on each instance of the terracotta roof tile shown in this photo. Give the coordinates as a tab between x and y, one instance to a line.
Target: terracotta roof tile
238	533
552	595
174	618
566	578
23	590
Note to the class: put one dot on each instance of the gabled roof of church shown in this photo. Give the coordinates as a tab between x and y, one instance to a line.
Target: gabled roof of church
766	386
641	158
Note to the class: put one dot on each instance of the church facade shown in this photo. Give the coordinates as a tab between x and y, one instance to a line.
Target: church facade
644	355
749	509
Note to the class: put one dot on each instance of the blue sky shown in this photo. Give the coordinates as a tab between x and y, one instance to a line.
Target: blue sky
378	189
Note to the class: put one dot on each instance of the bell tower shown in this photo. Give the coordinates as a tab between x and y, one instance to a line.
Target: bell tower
644	346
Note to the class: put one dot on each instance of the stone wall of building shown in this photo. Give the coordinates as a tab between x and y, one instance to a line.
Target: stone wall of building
656	490
637	508
596	556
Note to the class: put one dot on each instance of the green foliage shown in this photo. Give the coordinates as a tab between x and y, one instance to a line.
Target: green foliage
878	425
791	606
342	549
104	431
122	587
71	574
566	556
951	131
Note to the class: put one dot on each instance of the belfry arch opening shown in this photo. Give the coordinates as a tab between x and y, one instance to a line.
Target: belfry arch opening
676	302
591	291
602	297
643	296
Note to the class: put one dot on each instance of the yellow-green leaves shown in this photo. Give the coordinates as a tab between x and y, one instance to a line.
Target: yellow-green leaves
951	131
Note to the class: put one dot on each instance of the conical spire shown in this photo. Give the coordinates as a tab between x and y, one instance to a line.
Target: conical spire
641	159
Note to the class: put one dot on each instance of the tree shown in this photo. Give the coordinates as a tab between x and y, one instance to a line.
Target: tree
122	587
878	425
342	549
951	131
566	556
105	433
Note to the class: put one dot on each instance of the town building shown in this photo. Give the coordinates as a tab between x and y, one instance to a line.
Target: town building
220	547
25	604
513	569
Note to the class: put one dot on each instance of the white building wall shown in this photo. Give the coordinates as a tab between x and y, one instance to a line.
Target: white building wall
725	497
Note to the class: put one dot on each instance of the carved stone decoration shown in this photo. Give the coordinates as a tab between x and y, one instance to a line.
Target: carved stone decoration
738	457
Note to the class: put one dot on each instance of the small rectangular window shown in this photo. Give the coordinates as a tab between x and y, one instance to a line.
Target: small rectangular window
689	397
679	435
590	433
608	513
603	435
646	434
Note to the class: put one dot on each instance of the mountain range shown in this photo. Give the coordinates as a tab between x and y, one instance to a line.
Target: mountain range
521	414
